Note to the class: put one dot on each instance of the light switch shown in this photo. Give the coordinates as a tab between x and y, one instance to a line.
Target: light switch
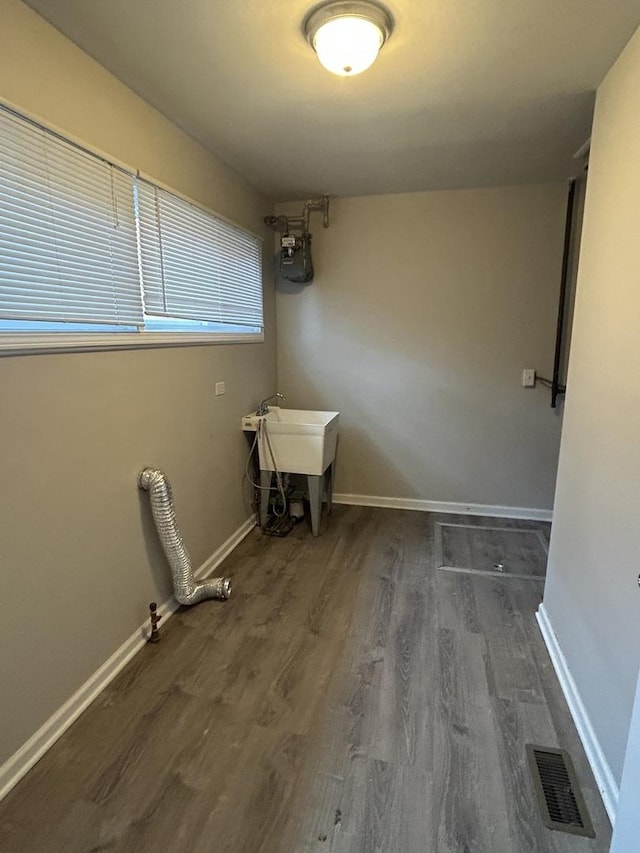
220	388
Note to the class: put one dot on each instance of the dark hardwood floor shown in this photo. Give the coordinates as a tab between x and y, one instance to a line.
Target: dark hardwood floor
350	698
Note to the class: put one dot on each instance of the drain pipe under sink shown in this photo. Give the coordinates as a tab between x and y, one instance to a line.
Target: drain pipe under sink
185	588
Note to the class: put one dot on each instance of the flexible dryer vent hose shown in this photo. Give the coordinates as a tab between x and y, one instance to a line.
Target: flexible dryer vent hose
185	589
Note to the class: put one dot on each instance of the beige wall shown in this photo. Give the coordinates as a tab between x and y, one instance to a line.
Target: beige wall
592	596
80	561
424	311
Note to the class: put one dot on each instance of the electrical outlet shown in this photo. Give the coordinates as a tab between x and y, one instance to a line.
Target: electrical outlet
528	378
220	388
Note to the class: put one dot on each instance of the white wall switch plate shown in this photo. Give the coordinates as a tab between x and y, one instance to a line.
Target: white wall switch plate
220	388
528	377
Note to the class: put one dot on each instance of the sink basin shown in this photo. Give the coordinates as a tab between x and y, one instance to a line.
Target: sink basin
303	441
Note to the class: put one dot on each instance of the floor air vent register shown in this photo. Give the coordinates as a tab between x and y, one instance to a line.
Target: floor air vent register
558	792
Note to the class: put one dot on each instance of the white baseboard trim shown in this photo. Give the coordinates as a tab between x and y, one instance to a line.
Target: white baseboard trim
225	549
23	760
525	513
600	767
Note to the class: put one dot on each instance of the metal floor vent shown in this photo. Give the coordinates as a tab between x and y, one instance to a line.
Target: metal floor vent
558	792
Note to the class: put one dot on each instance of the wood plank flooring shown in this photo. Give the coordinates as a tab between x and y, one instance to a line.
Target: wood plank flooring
493	550
350	698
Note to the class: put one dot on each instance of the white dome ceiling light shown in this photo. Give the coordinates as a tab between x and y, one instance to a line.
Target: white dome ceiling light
347	36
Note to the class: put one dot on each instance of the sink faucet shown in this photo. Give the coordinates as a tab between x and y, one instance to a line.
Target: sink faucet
263	408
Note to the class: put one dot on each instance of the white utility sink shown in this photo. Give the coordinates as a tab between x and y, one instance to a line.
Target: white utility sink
303	441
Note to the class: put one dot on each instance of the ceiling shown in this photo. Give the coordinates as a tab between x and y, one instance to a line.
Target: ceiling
465	93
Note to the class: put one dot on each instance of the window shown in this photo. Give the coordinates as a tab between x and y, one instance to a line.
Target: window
196	266
91	254
68	249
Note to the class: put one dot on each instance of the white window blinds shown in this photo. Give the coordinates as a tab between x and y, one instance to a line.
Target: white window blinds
196	265
68	249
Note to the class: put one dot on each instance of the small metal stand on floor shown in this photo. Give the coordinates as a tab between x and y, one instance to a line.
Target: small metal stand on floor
315	486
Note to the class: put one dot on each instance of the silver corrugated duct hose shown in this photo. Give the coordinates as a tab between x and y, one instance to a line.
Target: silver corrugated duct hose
185	589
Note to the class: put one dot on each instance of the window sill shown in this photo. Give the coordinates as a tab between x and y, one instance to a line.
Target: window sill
32	344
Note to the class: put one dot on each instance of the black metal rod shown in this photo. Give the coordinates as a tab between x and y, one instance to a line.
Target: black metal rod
556	387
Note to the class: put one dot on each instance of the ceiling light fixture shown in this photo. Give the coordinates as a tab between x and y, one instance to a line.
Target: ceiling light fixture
347	36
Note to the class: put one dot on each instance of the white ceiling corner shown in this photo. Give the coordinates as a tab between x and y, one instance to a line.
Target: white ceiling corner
479	93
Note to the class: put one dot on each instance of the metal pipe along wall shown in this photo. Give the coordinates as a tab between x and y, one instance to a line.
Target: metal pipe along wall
185	589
